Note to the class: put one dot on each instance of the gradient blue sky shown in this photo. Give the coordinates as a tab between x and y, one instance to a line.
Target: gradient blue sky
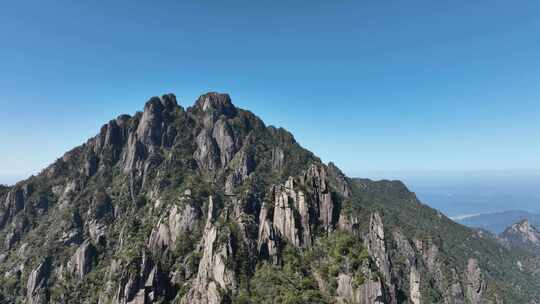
375	86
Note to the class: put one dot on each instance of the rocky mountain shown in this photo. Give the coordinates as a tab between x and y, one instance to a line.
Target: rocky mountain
522	235
207	204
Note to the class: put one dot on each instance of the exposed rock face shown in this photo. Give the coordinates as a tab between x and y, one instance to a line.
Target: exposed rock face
296	213
244	165
526	231
404	247
349	223
14	202
35	287
268	241
278	158
215	104
216	145
72	233
223	136
145	285
340	180
214	277
285	219
454	293
414	283
152	130
170	227
134	156
81	262
475	284
522	235
316	178
369	292
410	255
448	283
376	245
111	138
207	153
372	292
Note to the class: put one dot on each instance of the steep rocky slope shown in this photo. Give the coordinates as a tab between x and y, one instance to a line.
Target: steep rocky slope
522	235
209	205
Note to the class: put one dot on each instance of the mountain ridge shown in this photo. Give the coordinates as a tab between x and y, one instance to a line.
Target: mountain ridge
207	204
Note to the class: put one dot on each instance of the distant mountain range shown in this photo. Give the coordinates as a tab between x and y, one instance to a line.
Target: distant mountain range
497	222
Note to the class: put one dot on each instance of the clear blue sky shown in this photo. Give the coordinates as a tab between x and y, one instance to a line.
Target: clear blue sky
372	85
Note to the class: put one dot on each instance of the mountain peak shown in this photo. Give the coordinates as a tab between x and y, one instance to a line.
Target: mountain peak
524	223
523	235
165	102
524	227
216	102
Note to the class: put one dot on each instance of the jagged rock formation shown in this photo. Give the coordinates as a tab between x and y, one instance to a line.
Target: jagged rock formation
215	276
207	204
36	292
475	284
81	262
522	235
369	292
143	283
414	283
